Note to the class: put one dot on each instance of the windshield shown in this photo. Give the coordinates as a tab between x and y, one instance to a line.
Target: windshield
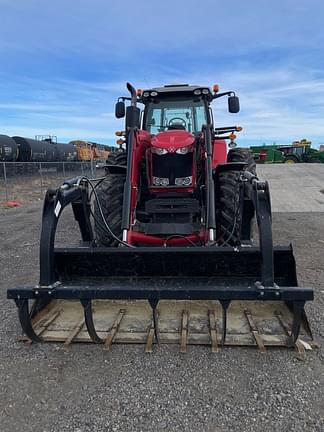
176	113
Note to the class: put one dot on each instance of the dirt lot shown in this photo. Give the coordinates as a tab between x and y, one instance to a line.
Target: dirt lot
44	388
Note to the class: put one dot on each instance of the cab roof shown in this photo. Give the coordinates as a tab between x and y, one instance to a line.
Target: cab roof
181	89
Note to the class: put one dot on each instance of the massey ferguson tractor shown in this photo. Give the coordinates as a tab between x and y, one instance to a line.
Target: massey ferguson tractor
167	252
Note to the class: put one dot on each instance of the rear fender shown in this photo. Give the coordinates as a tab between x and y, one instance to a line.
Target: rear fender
229	166
115	169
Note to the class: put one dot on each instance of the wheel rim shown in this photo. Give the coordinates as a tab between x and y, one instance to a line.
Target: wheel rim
290	161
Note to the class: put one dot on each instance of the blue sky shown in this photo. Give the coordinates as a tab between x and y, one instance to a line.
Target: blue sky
64	63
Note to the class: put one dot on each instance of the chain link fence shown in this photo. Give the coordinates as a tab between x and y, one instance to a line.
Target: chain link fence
28	181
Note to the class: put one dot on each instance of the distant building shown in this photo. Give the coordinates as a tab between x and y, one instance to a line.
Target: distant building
321	148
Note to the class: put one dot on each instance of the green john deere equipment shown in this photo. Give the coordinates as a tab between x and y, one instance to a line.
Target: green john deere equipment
298	152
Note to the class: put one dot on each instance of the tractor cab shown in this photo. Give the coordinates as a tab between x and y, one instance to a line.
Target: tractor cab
178	107
174	116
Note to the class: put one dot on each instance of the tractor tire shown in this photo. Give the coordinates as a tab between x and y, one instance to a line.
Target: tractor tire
110	194
230	208
243	155
117	159
290	160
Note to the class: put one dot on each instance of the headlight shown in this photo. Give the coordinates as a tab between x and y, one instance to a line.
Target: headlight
153	93
184	150
159	151
197	92
205	91
146	94
160	181
183	181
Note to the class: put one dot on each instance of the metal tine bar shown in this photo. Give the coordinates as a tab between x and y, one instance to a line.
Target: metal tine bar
298	311
73	334
283	323
213	331
255	332
153	304
156	325
88	317
39	316
150	338
184	331
25	320
225	304
114	329
300	349
43	325
304	320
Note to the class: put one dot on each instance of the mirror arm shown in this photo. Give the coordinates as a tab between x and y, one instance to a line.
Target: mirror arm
218	95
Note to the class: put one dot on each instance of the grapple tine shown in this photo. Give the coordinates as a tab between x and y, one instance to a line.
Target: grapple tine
88	318
225	304
298	312
150	337
25	320
153	304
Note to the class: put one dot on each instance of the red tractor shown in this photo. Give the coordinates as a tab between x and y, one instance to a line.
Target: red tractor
178	188
171	220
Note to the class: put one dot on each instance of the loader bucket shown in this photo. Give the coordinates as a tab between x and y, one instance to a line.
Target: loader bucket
185	295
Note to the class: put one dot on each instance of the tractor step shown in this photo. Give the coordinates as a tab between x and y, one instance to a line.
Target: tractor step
258	324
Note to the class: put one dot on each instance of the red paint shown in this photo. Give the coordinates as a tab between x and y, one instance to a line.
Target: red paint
173	140
138	237
263	156
219	152
11	204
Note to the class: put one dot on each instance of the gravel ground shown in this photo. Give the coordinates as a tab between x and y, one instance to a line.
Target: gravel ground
44	388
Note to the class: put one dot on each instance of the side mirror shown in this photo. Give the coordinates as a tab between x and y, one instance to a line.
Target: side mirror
120	109
233	104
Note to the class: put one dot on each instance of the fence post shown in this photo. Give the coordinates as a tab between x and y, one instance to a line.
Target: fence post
92	171
64	170
5	180
41	179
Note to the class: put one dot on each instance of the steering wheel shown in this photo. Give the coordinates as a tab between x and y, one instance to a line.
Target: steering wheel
177	120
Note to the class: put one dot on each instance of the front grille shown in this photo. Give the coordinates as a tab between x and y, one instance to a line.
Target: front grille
172	166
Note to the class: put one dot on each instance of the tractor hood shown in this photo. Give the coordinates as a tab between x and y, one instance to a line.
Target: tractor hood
173	140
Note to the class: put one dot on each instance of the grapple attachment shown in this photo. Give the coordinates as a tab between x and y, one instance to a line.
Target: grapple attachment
188	295
219	289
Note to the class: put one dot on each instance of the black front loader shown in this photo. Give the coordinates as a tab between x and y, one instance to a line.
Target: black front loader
213	273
